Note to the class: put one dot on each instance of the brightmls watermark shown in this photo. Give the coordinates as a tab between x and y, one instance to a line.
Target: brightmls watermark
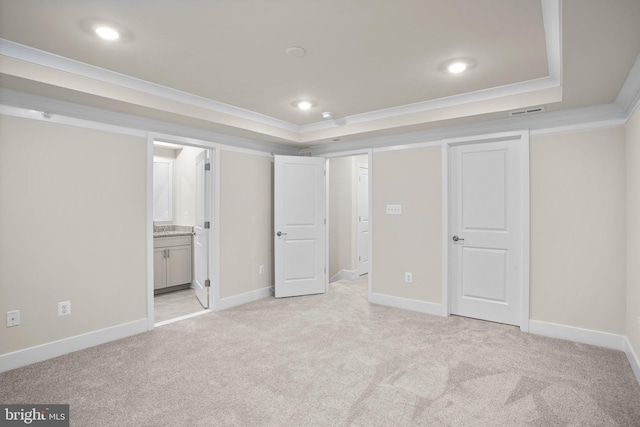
34	415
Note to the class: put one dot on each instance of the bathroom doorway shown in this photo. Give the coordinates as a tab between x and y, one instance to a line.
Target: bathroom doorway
182	190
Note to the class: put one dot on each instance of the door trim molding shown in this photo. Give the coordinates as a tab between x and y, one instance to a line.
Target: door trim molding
521	137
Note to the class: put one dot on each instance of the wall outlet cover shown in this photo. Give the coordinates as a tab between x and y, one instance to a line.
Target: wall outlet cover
13	318
64	308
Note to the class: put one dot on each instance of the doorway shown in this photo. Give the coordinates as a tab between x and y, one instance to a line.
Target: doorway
181	212
349	237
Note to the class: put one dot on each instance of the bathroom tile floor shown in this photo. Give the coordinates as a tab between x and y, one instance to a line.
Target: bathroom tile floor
175	304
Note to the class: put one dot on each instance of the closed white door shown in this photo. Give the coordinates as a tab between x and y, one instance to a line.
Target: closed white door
485	237
299	226
363	219
202	229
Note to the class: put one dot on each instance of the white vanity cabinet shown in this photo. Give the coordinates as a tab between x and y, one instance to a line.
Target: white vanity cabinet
172	261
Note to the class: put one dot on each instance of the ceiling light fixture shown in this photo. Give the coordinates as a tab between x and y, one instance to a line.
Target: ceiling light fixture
295	52
458	65
107	33
327	115
304	105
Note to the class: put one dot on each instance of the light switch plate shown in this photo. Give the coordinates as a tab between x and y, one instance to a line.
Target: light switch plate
394	209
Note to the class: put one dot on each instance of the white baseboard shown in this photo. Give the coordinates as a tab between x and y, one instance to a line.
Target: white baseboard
633	358
244	298
345	274
584	336
53	349
407	304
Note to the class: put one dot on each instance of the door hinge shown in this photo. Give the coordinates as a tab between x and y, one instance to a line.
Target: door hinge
207	283
207	225
207	166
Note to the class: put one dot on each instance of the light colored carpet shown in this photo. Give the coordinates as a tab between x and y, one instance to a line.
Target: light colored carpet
334	360
175	304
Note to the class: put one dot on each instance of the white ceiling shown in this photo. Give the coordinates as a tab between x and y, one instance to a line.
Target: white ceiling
375	64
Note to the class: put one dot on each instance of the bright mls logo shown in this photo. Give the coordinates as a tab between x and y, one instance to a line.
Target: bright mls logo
35	415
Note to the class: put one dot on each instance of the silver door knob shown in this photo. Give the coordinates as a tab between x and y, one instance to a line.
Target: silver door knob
457	239
280	233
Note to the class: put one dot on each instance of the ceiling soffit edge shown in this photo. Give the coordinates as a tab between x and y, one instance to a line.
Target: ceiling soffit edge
552	20
607	115
552	27
628	98
77	113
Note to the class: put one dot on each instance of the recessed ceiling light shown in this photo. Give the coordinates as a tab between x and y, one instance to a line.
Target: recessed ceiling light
327	115
295	51
107	33
304	105
457	67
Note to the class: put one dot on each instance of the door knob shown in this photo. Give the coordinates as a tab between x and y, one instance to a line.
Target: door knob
457	239
280	233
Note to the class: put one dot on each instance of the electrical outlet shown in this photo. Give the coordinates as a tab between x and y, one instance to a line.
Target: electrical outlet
408	277
13	318
261	269
64	308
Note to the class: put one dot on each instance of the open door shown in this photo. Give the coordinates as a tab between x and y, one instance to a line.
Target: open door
363	219
202	229
299	226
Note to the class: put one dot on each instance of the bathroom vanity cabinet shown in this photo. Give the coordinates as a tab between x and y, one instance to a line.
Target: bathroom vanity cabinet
172	262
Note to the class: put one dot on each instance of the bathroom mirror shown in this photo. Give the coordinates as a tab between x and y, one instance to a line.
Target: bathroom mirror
162	189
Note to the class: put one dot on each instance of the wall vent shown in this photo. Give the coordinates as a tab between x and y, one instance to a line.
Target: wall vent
526	111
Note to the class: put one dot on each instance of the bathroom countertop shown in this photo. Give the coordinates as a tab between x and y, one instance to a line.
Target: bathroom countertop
172	230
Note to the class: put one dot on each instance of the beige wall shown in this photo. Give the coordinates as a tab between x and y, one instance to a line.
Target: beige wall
72	227
246	216
578	229
633	231
410	242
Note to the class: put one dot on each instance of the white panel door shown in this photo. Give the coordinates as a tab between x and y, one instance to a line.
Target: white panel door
486	231
299	226
202	229
363	220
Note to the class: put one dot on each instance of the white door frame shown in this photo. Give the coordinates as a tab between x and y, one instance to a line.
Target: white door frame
521	137
214	240
369	153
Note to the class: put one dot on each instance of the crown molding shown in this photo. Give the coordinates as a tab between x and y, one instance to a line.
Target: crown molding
599	116
20	104
629	97
60	63
552	28
552	19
